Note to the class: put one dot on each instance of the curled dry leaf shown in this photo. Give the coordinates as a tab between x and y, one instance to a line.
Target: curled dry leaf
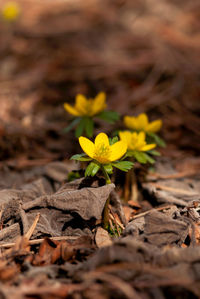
102	238
73	202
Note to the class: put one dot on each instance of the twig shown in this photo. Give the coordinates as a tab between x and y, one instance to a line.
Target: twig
127	186
175	190
175	175
114	221
117	223
33	226
147	212
39	241
111	224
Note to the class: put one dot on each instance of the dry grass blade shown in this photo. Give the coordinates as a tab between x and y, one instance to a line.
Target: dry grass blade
32	228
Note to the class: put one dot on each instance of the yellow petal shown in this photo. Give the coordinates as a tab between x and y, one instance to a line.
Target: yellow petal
101	138
125	136
99	103
118	149
154	126
135	141
141	137
71	110
135	135
147	147
130	122
81	104
87	146
142	121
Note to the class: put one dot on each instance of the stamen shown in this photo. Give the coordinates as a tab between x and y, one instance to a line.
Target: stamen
89	107
102	153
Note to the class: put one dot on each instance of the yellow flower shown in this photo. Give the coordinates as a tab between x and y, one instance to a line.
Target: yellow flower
141	123
101	150
10	11
87	107
136	141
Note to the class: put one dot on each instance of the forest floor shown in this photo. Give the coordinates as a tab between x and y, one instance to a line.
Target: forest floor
145	56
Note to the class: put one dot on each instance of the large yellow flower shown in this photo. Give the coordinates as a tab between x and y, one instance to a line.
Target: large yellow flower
136	141
87	107
101	150
141	123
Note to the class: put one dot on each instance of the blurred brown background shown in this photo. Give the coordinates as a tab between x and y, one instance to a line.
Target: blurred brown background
143	54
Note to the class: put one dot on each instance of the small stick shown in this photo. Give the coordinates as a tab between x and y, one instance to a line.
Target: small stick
147	212
134	187
115	220
39	241
111	224
32	228
127	186
175	175
172	189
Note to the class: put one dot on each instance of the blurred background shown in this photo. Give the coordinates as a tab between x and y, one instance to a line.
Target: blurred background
144	54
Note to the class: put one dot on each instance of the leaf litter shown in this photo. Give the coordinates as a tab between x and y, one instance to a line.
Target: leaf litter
52	244
49	243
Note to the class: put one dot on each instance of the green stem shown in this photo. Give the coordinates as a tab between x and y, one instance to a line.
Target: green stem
106	176
106	210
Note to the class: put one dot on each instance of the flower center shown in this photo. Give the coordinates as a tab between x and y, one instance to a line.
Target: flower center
102	153
133	143
88	108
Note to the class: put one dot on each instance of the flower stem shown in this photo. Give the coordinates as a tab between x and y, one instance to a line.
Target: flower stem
106	210
106	176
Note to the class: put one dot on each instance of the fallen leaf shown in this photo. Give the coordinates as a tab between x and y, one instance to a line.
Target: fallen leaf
102	238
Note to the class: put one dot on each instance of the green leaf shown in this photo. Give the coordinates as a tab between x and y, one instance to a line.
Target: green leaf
128	154
123	165
109	116
72	124
154	153
140	157
149	159
80	127
92	169
89	126
159	141
113	140
80	157
108	168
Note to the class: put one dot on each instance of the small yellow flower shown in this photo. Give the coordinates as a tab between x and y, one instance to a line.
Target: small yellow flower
10	11
87	107
136	141
101	150
141	123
